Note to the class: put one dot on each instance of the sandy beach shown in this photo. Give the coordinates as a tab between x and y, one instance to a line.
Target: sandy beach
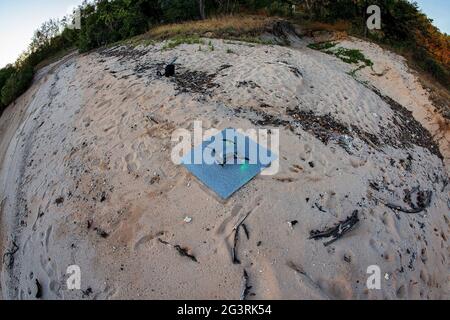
87	179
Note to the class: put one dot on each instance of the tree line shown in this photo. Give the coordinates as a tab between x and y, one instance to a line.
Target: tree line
108	21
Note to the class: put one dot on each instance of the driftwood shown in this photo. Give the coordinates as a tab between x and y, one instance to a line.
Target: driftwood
246	288
423	202
338	231
234	257
182	251
236	228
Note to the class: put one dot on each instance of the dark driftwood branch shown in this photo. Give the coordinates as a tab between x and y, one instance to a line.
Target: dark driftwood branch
233	250
338	231
182	251
240	224
246	288
424	201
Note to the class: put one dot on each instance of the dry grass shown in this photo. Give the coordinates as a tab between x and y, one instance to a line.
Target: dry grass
339	26
220	27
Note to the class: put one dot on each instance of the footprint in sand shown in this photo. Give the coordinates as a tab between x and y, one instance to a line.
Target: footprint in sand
50	279
131	163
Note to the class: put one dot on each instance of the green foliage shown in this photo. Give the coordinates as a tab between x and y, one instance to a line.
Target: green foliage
5	74
347	55
16	84
112	21
352	56
179	10
322	46
211	46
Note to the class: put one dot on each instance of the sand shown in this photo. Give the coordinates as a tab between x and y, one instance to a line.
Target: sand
87	178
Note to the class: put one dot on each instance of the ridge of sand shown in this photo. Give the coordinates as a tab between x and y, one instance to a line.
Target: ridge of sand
86	179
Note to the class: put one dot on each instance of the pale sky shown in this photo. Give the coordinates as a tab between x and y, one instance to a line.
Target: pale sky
19	19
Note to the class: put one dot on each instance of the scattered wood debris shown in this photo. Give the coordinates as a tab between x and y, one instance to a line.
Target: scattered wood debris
336	232
195	82
422	201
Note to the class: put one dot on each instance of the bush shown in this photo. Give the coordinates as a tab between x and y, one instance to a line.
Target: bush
112	21
5	74
17	84
404	27
179	10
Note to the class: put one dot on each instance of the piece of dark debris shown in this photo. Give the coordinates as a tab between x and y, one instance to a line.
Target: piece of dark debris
59	201
155	179
250	83
293	223
234	257
374	185
240	224
182	251
247	233
337	231
102	233
223	67
347	258
87	292
417	199
185	253
319	207
38	289
296	71
246	287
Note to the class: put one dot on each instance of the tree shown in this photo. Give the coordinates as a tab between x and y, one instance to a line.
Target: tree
201	4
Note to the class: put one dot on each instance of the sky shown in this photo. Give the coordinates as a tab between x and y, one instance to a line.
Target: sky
19	19
438	10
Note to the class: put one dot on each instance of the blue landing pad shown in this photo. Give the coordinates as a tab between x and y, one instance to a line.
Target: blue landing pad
226	178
